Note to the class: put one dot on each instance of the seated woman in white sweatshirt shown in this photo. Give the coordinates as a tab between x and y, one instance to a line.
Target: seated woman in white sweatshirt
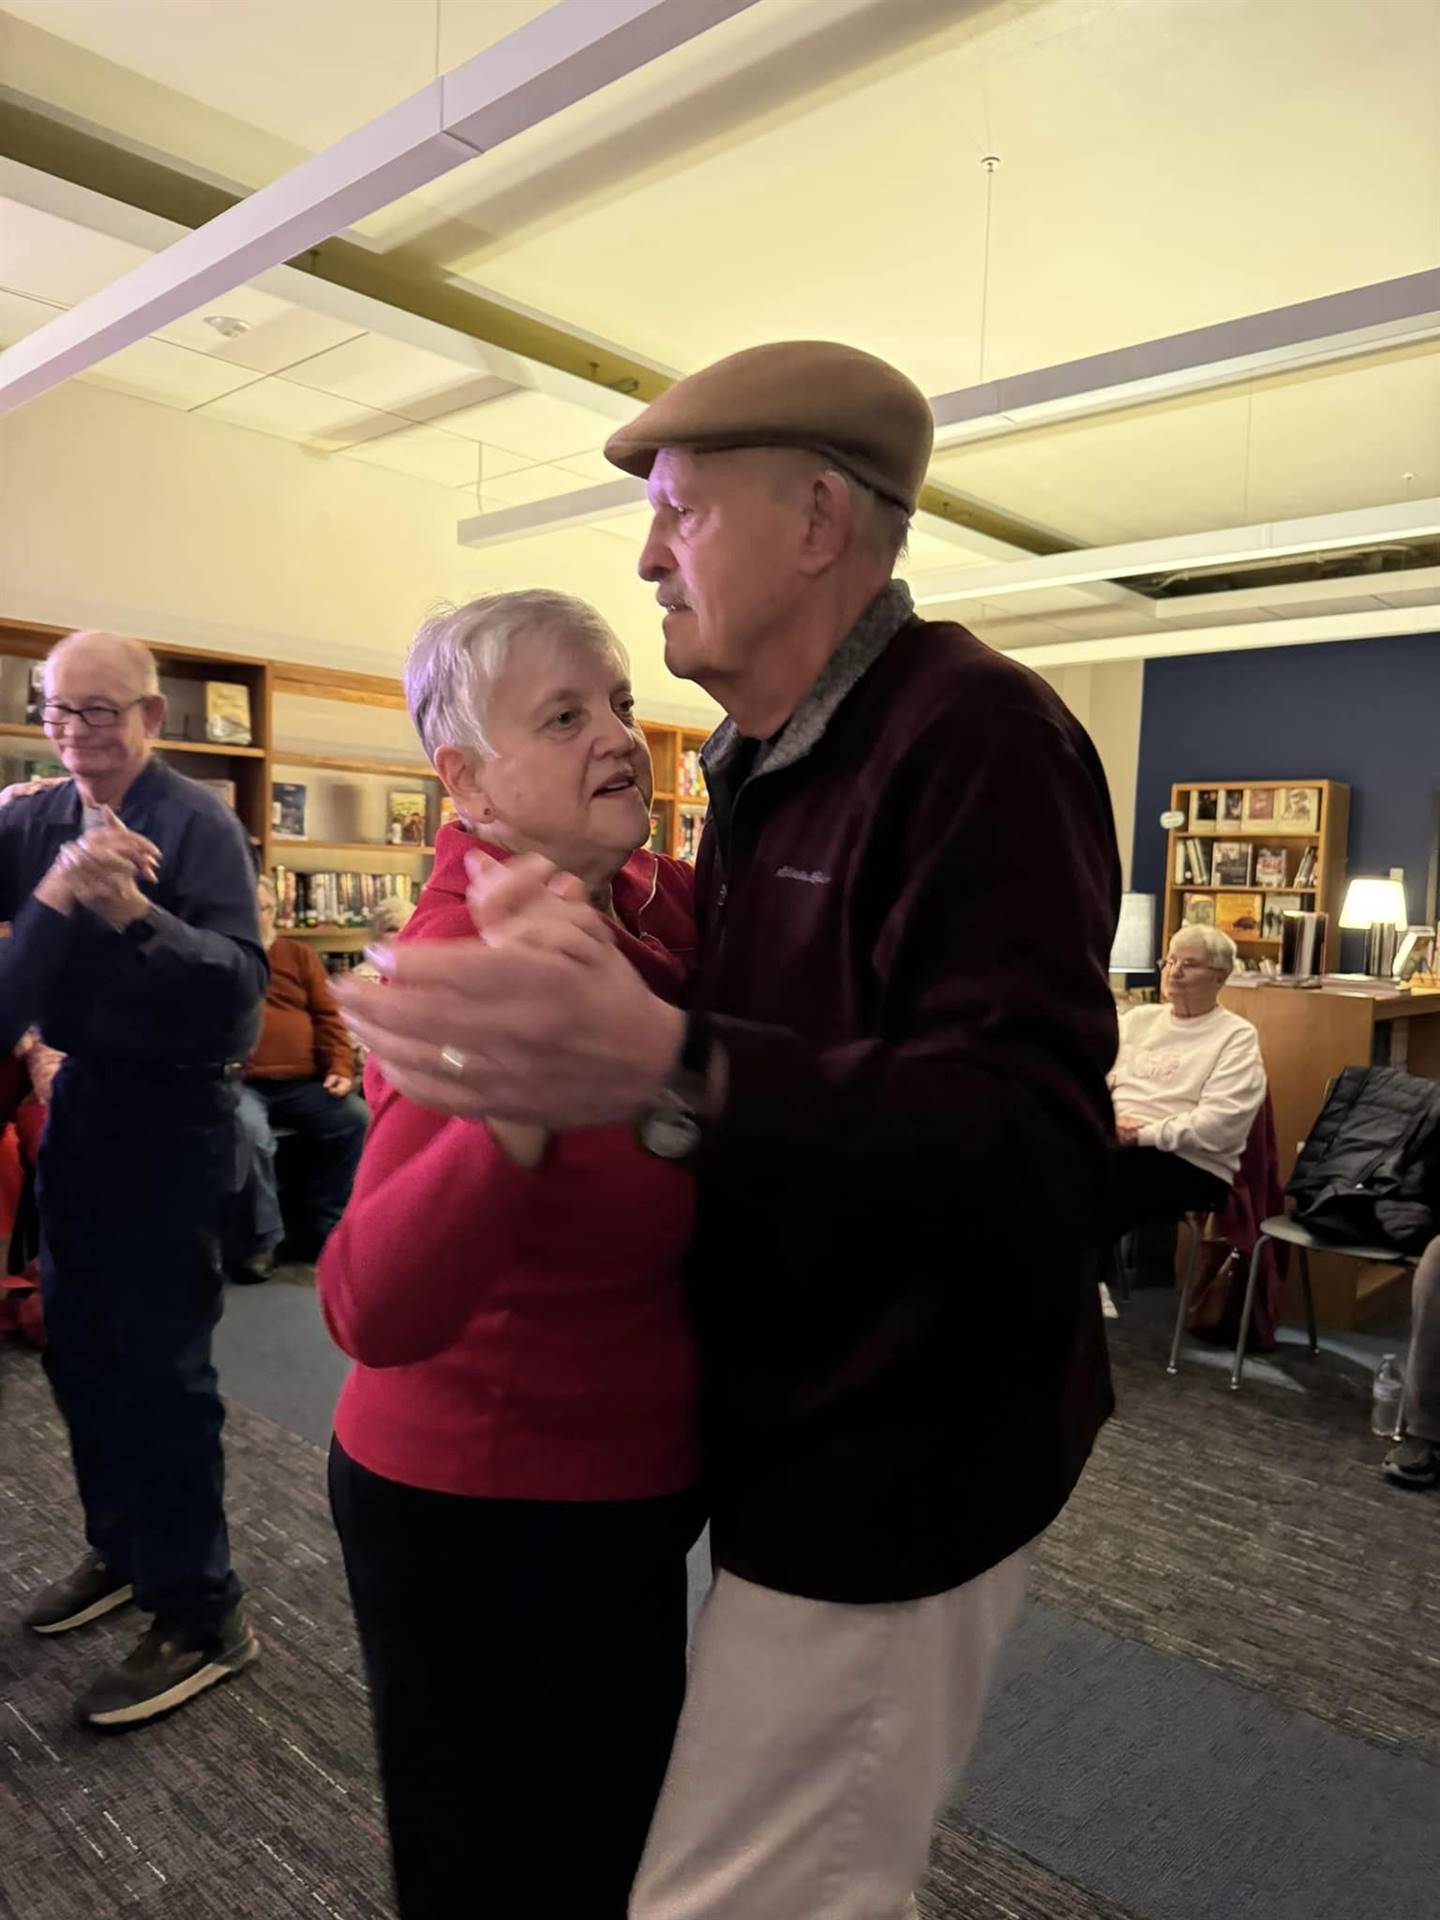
1187	1086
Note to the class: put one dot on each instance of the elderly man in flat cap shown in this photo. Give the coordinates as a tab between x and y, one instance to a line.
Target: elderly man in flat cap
892	1083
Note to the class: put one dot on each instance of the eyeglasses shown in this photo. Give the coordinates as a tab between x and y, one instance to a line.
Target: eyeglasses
1168	963
55	713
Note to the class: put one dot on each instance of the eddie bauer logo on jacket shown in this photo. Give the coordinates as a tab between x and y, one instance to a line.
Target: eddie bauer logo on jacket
810	879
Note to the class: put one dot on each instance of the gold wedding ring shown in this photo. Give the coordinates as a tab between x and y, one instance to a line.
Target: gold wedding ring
453	1060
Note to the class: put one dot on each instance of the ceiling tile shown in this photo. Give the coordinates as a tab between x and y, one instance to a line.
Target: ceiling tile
291	411
535	425
151	370
20	315
421	451
56	259
594	466
279	334
386	374
533	483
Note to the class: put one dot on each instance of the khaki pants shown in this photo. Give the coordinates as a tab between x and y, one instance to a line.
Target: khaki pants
818	1744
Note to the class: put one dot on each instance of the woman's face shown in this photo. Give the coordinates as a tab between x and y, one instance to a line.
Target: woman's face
1188	982
570	777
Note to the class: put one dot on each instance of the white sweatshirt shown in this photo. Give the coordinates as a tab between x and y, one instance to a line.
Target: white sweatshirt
1197	1085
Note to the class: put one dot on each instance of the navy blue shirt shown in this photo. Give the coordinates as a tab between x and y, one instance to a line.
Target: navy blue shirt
191	992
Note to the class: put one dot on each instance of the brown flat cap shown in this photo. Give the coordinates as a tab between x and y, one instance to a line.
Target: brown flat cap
856	410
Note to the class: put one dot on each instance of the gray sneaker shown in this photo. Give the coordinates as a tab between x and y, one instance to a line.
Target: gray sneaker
91	1590
1413	1463
162	1674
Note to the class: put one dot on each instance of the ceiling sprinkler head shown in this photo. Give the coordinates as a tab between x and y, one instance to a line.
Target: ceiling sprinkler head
226	325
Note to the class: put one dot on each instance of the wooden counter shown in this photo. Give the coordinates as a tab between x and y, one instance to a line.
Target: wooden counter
1307	1035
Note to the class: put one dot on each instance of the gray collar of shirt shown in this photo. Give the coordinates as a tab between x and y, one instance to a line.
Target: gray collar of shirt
843	671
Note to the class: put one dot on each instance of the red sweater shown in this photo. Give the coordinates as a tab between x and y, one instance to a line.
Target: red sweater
520	1335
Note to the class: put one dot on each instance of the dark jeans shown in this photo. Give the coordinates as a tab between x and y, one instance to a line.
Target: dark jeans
330	1132
1149	1192
132	1180
527	1667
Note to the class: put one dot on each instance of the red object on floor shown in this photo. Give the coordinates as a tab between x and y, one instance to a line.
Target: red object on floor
12	1179
1257	1196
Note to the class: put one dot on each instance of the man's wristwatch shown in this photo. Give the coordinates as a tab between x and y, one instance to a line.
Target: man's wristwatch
671	1129
142	929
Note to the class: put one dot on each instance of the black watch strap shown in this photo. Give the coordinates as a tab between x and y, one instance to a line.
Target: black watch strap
697	1046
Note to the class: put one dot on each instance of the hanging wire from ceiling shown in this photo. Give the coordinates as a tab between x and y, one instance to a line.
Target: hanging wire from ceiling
991	164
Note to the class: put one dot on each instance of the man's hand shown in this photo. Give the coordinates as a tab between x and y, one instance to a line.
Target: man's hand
1127	1129
558	1031
21	789
100	871
339	1084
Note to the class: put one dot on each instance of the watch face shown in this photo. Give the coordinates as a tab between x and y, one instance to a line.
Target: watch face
670	1135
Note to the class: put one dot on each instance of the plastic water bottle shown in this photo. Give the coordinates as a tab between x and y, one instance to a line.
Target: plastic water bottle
1389	1390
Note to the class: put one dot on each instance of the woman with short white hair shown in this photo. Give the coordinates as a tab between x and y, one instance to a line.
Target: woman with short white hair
1187	1085
515	1450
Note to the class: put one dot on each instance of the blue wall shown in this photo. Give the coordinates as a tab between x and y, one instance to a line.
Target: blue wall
1366	712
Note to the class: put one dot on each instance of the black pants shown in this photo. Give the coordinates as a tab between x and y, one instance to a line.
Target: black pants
1149	1192
527	1667
132	1179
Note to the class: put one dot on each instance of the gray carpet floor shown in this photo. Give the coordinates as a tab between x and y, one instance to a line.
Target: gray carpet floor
1223	1699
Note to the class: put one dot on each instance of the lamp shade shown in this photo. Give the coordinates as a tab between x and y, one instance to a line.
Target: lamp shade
1374	903
1134	949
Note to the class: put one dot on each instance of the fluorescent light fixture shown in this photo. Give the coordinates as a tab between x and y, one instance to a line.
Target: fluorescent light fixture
1268	540
1377	624
561	57
550	516
1336	326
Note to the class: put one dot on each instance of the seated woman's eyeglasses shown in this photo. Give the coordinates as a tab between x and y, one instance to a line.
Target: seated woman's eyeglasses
55	713
1183	964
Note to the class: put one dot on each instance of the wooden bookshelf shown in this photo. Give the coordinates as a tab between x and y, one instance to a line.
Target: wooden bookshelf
677	816
1324	891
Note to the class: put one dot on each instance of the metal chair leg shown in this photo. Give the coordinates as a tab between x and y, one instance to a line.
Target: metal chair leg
1247	1311
1186	1290
1309	1294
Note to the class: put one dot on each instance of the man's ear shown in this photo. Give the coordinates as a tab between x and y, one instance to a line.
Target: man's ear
463	777
154	714
831	523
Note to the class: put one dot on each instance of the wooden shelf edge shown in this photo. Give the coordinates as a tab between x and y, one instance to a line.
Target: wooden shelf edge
333	763
346	846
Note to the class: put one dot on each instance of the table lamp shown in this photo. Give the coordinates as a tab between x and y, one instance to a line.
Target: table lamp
1134	949
1376	907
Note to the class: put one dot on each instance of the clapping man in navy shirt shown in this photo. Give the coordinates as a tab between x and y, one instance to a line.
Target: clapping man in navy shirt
136	952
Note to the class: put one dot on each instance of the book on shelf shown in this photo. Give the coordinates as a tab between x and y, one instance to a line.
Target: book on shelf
692	776
35	695
1260	809
1270	866
406	818
324	899
1297	809
287	808
222	789
1232	863
1199	910
692	825
1192	863
1272	926
1230	811
1305	871
1205	810
227	713
1239	914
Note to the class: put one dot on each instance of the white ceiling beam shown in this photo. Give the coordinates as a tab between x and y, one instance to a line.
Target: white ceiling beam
566	54
1337	326
1394	586
1317	533
1316	630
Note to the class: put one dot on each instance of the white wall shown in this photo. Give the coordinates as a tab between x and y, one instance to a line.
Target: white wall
1106	702
119	513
